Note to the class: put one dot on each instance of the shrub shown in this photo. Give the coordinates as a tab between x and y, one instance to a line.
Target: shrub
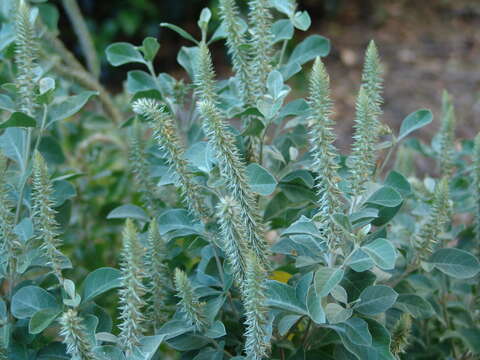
247	233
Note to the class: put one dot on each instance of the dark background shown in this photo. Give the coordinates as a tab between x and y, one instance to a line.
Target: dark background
426	46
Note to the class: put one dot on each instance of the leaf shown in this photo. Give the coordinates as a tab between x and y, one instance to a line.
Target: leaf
12	143
260	180
108	352
186	57
282	30
309	49
414	121
128	211
399	183
42	319
30	299
147	348
386	197
179	31
455	263
100	281
382	253
150	47
216	331
360	261
123	53
356	331
18	119
376	299
314	307
337	313
415	305
138	80
326	279
63	190
303	225
178	220
284	6
283	296
24	229
354	283
69	107
6	103
302	20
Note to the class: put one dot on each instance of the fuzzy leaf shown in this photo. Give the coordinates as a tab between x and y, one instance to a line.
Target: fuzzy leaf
415	121
309	49
18	119
283	296
455	263
386	197
179	31
128	211
382	253
100	281
69	107
326	279
260	180
30	299
415	305
282	30
123	53
376	299
42	319
138	80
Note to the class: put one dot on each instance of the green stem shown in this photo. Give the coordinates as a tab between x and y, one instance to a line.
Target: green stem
282	53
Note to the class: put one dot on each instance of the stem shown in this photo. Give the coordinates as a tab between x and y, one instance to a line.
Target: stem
387	157
305	335
23	177
282	53
42	127
81	30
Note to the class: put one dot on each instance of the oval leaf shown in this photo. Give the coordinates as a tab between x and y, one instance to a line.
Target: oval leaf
19	119
260	180
376	299
455	263
382	253
100	281
123	53
415	121
30	299
386	197
42	319
326	279
128	211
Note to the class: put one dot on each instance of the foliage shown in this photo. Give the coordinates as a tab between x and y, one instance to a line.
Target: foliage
247	234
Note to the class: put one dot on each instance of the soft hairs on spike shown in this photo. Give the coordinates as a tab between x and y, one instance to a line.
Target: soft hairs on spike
234	171
233	233
132	290
401	335
139	168
427	238
44	220
26	50
191	307
231	164
159	278
363	154
323	151
256	343
447	136
236	41
168	140
9	243
476	183
75	336
260	20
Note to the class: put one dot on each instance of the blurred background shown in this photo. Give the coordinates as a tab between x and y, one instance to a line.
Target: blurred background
426	46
